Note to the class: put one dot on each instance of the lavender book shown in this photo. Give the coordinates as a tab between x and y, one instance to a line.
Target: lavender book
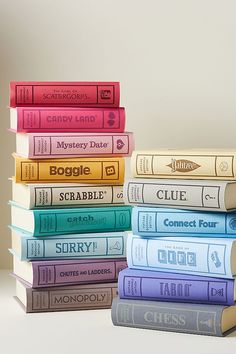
160	286
68	272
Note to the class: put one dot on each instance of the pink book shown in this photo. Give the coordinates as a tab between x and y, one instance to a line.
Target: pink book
59	119
46	120
63	93
60	145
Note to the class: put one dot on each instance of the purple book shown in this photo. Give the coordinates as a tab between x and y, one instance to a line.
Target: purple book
68	272
160	286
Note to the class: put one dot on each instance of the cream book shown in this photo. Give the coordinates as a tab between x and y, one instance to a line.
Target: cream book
181	194
61	195
190	163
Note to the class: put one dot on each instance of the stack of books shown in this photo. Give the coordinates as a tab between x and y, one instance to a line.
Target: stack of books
182	252
69	220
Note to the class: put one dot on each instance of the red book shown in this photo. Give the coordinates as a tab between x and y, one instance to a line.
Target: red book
64	94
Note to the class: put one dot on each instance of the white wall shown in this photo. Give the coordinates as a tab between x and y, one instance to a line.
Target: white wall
175	60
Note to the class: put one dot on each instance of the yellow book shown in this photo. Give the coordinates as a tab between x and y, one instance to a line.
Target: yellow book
86	170
192	163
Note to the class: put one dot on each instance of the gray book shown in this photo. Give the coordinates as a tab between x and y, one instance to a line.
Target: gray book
212	320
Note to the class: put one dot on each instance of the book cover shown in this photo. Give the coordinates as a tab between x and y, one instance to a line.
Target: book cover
68	272
87	170
45	222
160	286
183	194
77	246
67	119
66	298
55	195
211	320
177	222
189	255
192	163
69	145
64	93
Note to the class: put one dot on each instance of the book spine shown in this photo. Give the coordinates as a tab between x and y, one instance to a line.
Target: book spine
46	120
189	257
92	170
176	195
167	222
79	195
79	146
82	220
74	247
167	316
176	289
76	273
198	166
77	94
70	299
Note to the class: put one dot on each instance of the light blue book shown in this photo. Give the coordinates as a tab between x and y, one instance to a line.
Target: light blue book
189	255
77	246
175	222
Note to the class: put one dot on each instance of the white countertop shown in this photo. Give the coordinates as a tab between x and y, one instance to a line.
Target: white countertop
89	332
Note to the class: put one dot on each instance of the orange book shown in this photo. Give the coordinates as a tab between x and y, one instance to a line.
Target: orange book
86	170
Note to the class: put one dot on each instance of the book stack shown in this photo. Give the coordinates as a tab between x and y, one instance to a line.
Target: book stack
182	252
69	220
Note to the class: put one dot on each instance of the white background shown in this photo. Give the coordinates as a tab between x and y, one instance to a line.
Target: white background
175	60
176	63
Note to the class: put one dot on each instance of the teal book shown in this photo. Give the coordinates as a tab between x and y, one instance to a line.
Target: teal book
45	222
155	221
76	246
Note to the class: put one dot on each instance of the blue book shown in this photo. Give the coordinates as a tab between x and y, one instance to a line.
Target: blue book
78	246
189	255
45	222
175	222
